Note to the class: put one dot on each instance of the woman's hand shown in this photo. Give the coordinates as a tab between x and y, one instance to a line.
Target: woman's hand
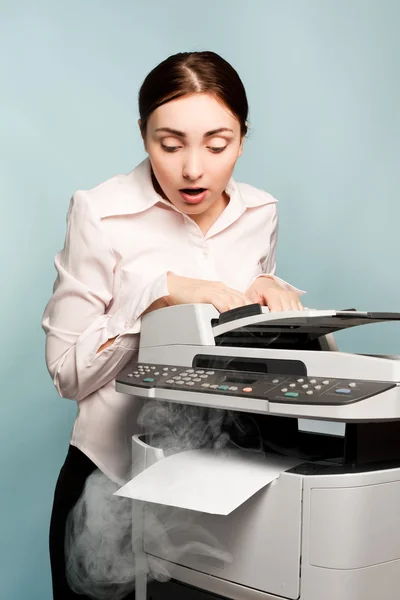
267	292
185	290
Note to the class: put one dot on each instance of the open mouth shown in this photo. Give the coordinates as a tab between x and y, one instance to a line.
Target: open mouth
193	191
193	195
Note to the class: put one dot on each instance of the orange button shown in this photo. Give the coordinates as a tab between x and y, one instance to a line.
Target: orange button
248	389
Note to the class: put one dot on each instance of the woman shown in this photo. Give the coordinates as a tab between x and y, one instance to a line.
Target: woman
177	229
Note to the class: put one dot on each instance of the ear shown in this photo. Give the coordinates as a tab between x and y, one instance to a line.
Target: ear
240	152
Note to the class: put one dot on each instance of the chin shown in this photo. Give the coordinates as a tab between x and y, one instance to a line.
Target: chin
195	209
192	209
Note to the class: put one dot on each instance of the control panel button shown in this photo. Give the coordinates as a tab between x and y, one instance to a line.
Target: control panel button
283	390
305	386
343	391
318	387
313	381
148	379
352	384
233	388
300	381
309	392
206	385
291	394
292	385
210	372
275	381
325	382
247	389
223	387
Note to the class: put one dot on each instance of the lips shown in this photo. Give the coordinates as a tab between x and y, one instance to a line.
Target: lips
193	195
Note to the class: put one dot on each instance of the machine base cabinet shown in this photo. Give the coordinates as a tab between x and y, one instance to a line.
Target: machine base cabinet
306	537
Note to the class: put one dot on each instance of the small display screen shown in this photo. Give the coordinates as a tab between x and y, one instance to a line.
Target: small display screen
240	379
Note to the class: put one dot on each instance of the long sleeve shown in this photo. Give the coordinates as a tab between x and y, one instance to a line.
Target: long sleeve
80	315
268	264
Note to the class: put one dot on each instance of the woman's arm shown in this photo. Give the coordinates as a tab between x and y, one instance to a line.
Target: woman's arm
80	355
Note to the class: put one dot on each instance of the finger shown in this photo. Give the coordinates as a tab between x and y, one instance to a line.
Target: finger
258	299
236	301
295	303
287	303
222	297
273	300
247	301
290	301
223	301
274	304
241	298
220	304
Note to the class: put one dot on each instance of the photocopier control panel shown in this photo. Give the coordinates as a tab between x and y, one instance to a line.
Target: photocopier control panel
275	388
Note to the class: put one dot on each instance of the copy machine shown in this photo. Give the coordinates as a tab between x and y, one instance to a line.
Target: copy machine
327	528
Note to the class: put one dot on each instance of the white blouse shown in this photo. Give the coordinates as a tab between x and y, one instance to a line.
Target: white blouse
121	240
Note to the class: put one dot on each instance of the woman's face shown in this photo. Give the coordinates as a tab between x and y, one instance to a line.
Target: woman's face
193	145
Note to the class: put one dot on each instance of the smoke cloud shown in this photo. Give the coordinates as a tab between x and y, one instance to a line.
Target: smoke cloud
101	536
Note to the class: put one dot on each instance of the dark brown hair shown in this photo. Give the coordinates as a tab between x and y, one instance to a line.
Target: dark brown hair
188	73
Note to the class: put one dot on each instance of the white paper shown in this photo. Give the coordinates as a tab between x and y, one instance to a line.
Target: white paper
209	481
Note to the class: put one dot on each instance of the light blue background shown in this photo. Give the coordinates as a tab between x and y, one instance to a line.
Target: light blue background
323	84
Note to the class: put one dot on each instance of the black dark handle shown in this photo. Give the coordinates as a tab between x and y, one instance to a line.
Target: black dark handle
240	313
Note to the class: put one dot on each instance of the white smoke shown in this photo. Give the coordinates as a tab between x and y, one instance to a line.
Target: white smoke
100	536
98	542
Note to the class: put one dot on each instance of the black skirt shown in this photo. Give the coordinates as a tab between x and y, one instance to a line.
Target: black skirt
71	481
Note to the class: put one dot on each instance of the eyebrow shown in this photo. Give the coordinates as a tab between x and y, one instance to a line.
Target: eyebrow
183	135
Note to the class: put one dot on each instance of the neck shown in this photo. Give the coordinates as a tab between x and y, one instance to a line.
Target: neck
207	219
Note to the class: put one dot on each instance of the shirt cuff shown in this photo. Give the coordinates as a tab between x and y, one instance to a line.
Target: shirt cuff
282	283
127	320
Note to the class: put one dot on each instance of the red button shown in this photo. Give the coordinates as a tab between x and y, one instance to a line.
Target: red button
248	389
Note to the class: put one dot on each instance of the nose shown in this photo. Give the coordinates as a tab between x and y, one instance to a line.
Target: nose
192	167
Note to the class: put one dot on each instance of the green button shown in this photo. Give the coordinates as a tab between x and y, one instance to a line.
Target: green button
223	387
291	394
148	379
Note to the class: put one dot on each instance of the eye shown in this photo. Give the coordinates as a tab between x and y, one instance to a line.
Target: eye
217	144
170	148
216	149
